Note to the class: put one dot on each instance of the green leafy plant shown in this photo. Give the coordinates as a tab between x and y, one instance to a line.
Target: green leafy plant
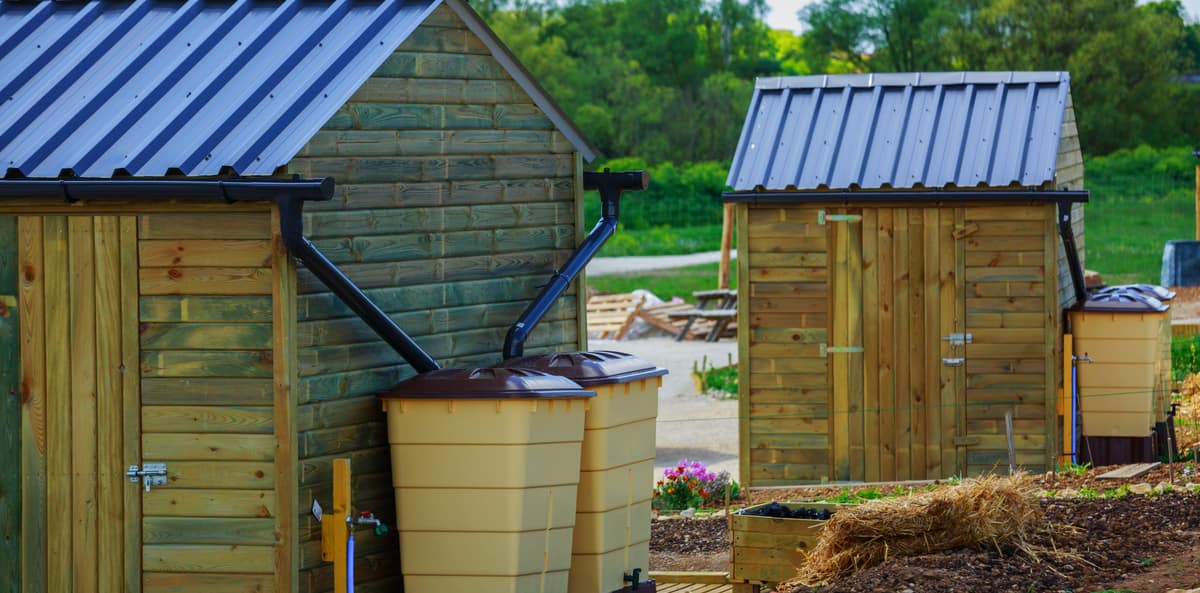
719	381
1146	562
1074	469
1088	492
1185	357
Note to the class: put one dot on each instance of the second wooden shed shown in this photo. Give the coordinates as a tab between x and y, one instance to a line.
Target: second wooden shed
907	243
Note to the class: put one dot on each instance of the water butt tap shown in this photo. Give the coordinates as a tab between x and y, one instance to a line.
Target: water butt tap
369	518
634	578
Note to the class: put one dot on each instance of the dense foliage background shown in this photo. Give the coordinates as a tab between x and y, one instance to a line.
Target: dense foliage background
670	80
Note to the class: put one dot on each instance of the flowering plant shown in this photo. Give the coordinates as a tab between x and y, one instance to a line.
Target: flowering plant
690	485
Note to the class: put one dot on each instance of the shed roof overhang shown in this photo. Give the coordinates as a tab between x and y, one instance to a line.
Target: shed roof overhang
940	197
229	190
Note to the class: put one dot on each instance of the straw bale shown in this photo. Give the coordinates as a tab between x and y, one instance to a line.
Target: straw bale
978	512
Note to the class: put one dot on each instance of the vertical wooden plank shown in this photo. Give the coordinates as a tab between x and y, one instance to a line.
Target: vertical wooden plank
949	323
887	347
58	407
581	296
33	410
916	332
839	337
82	337
960	325
854	339
283	296
933	348
726	244
1053	331
110	453
131	408
742	216
871	314
10	410
903	361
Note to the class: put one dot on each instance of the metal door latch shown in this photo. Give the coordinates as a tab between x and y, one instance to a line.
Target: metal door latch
958	339
953	362
151	474
822	217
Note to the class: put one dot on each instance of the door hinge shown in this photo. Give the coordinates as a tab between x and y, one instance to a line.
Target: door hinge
827	350
959	339
151	474
822	217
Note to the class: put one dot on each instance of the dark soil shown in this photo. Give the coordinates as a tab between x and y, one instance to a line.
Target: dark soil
1138	543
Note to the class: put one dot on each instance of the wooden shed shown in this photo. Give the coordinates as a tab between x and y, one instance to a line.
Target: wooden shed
152	311
902	272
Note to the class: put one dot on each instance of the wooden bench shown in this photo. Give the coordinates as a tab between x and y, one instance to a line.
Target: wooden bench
718	306
610	316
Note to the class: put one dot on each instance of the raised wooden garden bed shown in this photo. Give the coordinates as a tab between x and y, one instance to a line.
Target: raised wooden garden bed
770	549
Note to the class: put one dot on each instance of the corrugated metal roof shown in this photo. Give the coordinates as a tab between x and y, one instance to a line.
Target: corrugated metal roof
149	87
924	130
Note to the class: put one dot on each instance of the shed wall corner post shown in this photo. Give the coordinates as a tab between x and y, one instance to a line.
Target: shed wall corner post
283	297
741	219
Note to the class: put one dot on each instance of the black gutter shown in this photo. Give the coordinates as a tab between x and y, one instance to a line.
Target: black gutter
226	190
610	186
291	226
1068	239
866	197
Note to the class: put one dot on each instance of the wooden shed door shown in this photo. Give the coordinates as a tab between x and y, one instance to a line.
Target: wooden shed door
896	355
79	419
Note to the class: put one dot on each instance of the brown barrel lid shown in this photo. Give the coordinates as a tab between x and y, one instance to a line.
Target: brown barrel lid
600	367
489	383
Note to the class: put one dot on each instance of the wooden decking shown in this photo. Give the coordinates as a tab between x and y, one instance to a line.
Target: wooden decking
693	588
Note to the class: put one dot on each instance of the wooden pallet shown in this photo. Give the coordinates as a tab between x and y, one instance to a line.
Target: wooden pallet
609	316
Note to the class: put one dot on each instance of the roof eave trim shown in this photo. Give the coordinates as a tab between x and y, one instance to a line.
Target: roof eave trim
850	197
220	190
524	79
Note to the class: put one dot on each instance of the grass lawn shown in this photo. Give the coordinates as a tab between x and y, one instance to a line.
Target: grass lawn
681	282
1124	237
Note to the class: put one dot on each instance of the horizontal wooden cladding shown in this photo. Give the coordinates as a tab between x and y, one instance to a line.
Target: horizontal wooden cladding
206	363
209	281
232	475
318	470
1005	305
424	296
367	568
380	140
205	309
196	391
447	219
391	195
426	246
789	365
769	399
1022	259
789	425
191	582
790	275
441	65
219	225
191	253
440	91
775	350
209	419
208	446
798	244
435	321
314	361
431	39
349	411
1005	274
208	530
330	441
436	168
206	336
1005	289
179	502
789	457
788	336
787	380
780	474
376	275
208	558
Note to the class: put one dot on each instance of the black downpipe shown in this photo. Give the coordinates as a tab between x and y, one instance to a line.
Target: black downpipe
1068	239
610	186
291	223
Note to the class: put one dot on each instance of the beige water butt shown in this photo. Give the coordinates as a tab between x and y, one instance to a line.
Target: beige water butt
485	463
612	520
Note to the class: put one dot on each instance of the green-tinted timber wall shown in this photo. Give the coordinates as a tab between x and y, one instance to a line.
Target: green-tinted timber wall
10	412
456	201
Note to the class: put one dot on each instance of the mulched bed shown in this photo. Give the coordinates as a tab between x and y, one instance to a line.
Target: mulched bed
1149	542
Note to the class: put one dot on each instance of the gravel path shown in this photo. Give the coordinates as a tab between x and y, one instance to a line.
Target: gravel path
603	266
690	425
